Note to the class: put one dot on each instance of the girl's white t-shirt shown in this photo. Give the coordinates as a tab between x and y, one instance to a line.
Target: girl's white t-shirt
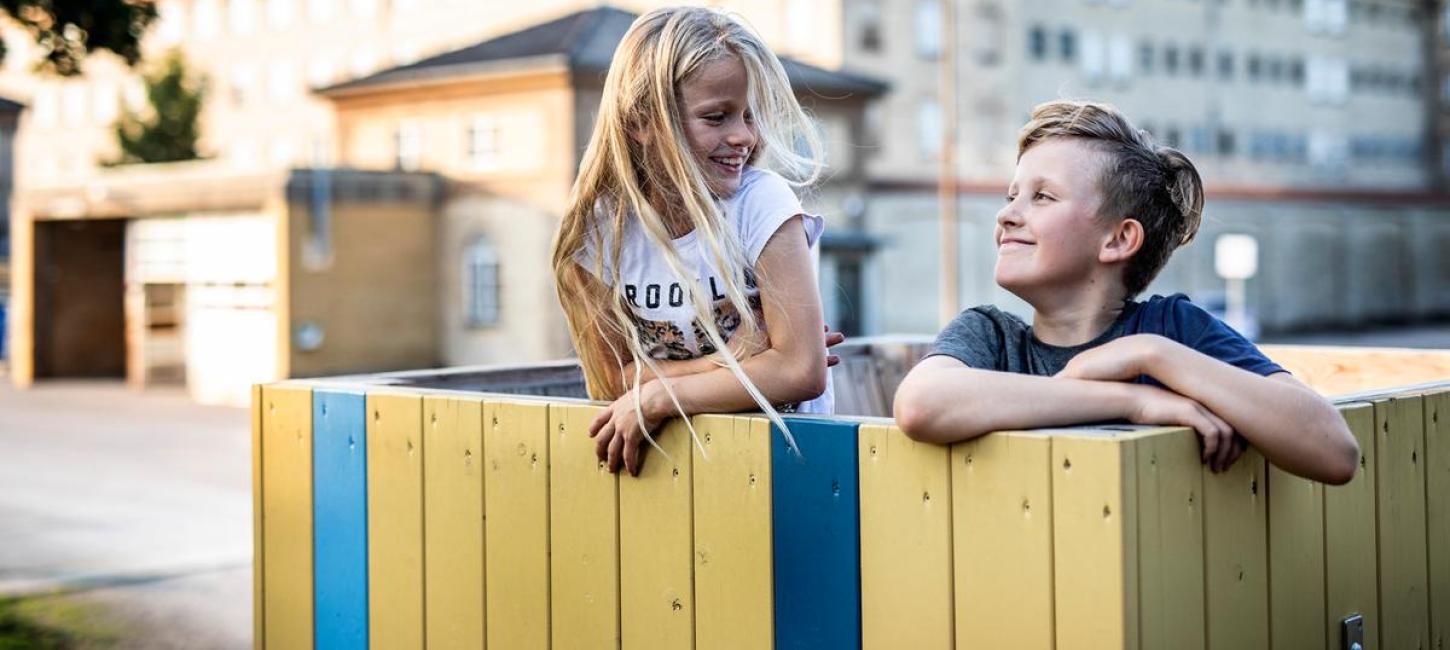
660	303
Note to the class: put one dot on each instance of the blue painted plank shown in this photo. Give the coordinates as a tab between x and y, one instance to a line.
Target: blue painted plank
816	537
340	519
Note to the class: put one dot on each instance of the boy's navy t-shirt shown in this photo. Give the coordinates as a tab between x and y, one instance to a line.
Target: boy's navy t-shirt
990	339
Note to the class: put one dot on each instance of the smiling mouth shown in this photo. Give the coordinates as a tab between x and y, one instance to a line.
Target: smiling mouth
729	164
1013	243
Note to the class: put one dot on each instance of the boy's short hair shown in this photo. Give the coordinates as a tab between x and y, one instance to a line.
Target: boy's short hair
1156	185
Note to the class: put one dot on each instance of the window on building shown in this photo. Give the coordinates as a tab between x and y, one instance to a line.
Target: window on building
1037	43
279	13
1067	45
1170	59
207	19
1254	67
242	16
172	19
1225	65
1296	71
987	34
281	81
1093	63
483	143
870	16
928	21
928	128
1225	142
362	8
321	72
1195	61
1273	68
1145	57
481	283
408	146
320	10
1120	58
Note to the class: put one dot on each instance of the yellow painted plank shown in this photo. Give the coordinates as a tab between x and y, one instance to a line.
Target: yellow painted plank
516	537
258	560
453	522
906	540
584	526
1170	540
1236	539
1296	562
395	520
1351	584
1095	523
656	547
1404	603
733	557
1437	515
287	516
1002	541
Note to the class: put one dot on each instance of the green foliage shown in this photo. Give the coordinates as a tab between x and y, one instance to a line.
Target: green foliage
69	30
171	129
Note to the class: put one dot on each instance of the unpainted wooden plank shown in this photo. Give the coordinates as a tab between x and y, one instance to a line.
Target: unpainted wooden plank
1404	598
1351	581
584	534
453	522
1095	555
516	534
1002	515
395	520
1236	552
287	516
656	546
906	540
733	568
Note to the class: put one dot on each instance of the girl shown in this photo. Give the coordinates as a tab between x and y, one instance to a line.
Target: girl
679	250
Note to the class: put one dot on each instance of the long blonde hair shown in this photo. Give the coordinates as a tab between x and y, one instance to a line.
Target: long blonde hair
638	149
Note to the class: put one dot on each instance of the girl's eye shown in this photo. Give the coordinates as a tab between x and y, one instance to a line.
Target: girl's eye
714	117
749	117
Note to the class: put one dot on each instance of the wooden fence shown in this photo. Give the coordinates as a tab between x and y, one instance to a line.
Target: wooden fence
392	516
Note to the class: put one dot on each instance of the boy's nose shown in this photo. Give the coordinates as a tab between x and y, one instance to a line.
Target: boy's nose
1008	216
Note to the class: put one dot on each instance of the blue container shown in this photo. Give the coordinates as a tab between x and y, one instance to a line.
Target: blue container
4	340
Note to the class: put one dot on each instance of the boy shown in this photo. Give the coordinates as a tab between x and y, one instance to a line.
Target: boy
1093	213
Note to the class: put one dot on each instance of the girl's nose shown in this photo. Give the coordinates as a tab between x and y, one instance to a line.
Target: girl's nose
742	135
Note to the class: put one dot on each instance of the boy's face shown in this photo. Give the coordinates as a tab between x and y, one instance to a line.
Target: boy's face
721	133
1049	233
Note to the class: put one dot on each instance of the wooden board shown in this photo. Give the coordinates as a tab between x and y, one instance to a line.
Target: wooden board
1236	553
258	559
1002	541
733	570
1404	601
1170	540
584	534
1351	584
340	518
516	537
906	540
287	516
1296	562
1095	522
656	546
453	522
1340	371
1437	515
816	537
395	520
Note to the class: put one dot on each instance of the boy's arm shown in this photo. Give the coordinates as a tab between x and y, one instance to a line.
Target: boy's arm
1294	427
943	400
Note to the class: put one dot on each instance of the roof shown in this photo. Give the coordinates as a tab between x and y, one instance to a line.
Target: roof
584	42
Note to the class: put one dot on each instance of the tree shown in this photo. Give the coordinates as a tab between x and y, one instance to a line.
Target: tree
69	30
171	130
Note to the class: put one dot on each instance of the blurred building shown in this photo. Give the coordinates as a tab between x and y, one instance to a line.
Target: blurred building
225	272
1308	120
9	121
1437	91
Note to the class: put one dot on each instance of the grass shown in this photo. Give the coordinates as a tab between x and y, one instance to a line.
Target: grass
54	622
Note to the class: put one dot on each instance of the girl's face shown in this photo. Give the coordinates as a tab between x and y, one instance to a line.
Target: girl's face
718	125
1049	233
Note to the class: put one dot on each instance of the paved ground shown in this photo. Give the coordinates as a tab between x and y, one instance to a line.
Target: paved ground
139	501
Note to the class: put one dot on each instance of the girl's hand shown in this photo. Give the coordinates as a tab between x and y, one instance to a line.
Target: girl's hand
1221	446
619	430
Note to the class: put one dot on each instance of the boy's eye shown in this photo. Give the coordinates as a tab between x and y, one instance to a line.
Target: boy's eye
1009	198
1041	197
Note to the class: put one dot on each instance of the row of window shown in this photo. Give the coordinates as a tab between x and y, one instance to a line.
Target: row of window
208	18
482	144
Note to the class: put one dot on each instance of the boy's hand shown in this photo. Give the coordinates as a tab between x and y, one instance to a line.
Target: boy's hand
618	430
1221	447
1122	359
832	338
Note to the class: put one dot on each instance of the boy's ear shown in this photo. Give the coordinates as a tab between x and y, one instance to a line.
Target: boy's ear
1123	241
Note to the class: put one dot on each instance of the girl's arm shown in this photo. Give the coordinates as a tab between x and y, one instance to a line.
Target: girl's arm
791	369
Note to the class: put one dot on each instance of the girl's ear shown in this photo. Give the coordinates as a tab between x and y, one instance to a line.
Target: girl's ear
1123	241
